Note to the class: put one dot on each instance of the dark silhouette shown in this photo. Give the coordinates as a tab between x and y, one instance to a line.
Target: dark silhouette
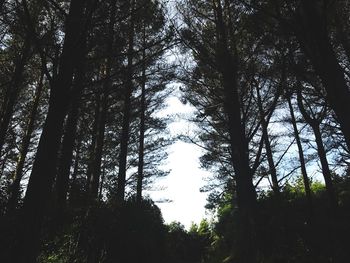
82	83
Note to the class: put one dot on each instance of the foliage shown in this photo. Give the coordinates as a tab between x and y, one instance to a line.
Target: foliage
286	230
81	86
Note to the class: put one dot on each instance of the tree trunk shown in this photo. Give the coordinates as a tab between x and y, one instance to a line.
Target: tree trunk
306	180
314	40
141	147
93	143
315	125
73	197
70	133
69	137
325	168
342	28
13	92
124	140
15	187
140	175
333	204
246	195
96	168
44	167
269	154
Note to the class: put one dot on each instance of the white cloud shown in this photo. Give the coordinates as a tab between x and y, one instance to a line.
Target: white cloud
182	185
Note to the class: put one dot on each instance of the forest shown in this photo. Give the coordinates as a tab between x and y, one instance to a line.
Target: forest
82	83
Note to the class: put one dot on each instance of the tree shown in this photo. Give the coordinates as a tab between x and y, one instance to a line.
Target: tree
124	139
314	119
18	174
226	60
43	170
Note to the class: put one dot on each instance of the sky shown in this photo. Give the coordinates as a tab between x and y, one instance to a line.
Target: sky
182	185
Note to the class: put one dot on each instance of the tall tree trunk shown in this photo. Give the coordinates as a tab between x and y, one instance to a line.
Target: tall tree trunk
70	133
15	187
313	37
69	137
269	154
13	91
73	186
246	195
93	142
96	168
94	244
44	167
306	180
315	125
325	168
140	174
342	28
124	140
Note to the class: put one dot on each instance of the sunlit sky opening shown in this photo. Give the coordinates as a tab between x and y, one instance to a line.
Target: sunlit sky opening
182	185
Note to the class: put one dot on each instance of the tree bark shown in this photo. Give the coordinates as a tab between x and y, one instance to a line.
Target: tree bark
269	154
15	187
246	195
342	29
73	197
98	151
325	168
13	91
93	143
96	168
124	140
313	37
140	174
44	167
315	125
306	180
69	137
